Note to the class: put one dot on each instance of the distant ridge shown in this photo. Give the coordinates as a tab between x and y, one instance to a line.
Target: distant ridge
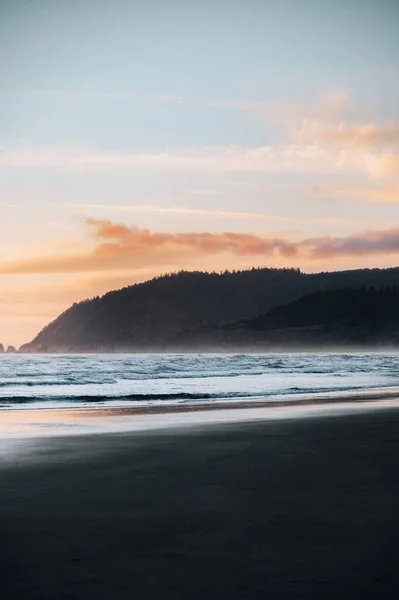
348	316
177	311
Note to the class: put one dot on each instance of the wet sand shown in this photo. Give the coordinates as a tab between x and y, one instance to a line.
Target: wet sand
300	508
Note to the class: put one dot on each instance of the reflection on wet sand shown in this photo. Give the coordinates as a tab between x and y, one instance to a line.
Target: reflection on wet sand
66	421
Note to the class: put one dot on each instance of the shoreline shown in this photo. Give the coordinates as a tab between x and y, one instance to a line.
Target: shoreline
67	421
298	399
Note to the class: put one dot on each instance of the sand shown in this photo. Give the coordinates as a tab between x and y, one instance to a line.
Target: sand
300	508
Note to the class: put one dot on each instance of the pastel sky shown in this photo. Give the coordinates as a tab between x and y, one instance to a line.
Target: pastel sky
146	136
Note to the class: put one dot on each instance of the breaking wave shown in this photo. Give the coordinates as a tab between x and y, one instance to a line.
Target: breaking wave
131	379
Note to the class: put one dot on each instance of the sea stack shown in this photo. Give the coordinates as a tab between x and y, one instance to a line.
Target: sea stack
11	349
1	349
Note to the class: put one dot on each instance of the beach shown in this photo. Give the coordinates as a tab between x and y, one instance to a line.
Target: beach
269	508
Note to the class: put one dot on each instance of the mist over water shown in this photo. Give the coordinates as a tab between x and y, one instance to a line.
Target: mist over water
33	381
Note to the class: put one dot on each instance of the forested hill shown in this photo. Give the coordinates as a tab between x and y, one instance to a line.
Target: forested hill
350	317
163	312
370	306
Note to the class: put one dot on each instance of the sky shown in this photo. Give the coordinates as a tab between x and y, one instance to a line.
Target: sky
144	137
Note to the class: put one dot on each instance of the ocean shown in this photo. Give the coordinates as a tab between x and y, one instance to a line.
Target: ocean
140	380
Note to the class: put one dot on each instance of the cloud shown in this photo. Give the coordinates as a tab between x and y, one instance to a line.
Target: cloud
371	242
285	158
225	214
133	239
122	248
334	150
184	210
387	164
369	148
364	135
318	138
389	195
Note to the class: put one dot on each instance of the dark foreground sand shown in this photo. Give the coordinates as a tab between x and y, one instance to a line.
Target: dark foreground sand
286	509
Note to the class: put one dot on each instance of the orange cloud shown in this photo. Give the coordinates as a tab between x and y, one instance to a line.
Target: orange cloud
134	240
122	248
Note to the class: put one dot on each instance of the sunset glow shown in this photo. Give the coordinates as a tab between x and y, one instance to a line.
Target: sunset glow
206	136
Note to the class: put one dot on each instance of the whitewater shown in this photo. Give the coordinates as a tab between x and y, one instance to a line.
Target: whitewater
188	380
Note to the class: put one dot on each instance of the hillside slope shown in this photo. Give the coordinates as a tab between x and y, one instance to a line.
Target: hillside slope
162	313
350	316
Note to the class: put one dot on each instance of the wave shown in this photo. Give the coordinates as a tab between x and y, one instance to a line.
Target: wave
103	398
50	381
274	395
258	401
